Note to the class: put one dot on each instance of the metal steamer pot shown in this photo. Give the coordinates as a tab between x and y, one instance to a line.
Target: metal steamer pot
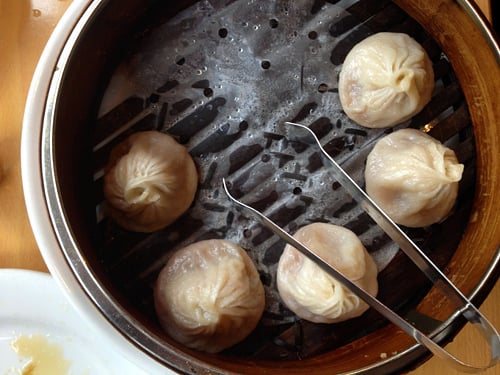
219	76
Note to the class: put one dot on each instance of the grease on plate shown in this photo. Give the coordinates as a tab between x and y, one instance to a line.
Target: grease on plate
43	356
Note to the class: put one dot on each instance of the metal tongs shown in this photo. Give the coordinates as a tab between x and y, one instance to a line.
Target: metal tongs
301	133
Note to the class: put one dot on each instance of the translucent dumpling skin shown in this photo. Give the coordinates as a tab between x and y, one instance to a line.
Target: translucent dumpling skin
385	79
413	177
209	295
150	181
309	291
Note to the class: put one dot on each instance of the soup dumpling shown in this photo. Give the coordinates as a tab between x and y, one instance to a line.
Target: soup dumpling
385	79
310	292
209	295
413	177
150	181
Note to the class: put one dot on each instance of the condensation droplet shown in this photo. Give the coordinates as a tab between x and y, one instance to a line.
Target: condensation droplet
312	79
37	12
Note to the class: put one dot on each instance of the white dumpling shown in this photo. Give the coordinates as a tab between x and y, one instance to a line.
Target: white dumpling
310	292
385	79
413	177
150	181
209	295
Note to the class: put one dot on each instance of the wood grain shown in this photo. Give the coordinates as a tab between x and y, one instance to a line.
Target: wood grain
484	5
467	345
24	29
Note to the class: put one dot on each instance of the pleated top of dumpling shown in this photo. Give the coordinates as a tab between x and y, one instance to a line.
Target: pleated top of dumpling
209	295
385	79
413	177
150	180
310	292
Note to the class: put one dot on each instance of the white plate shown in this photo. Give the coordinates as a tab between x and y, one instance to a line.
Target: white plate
32	304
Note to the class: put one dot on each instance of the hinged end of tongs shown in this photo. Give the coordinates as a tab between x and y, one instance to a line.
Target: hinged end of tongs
301	133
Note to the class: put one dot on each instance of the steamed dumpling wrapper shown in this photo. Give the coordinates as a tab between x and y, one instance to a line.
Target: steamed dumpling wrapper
385	79
413	177
309	291
150	181
209	295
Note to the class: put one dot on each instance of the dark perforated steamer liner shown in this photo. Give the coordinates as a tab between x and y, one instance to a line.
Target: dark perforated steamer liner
116	269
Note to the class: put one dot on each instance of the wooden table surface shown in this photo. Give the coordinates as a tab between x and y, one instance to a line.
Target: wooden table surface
25	27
